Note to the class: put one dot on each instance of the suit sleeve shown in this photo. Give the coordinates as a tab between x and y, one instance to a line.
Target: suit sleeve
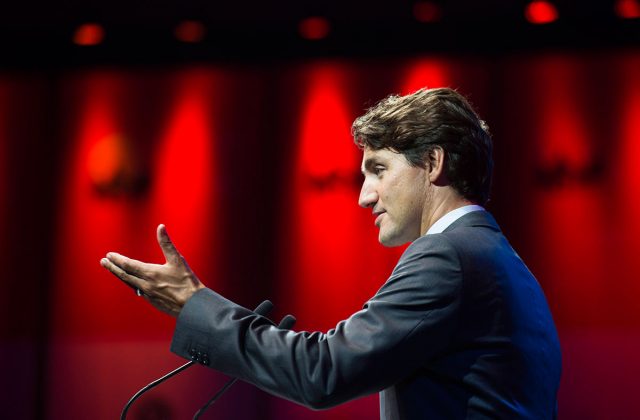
408	322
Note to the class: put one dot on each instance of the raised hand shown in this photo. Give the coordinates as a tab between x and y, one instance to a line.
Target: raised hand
167	286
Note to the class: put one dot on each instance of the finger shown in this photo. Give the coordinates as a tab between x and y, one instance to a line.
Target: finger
168	249
129	280
131	266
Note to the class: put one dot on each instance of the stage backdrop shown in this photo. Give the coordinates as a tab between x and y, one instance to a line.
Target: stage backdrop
253	170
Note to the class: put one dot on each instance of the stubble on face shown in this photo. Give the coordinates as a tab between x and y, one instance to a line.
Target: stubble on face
401	196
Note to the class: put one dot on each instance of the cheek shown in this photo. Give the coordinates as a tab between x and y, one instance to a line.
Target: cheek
394	187
411	198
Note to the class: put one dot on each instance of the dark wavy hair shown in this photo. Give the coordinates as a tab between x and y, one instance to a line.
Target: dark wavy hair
416	124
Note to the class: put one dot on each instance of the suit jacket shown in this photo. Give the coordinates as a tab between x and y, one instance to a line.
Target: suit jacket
460	330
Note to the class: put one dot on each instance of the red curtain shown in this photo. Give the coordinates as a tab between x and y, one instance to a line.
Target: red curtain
253	170
126	170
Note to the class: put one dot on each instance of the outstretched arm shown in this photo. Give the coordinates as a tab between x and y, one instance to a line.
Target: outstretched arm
402	328
166	286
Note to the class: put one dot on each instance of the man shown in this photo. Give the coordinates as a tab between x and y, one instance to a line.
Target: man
460	330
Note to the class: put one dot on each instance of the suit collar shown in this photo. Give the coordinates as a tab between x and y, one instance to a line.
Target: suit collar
475	219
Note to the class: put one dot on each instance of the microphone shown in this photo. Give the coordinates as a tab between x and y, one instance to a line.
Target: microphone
285	324
263	309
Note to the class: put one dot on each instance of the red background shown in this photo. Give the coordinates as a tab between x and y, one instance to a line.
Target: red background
253	171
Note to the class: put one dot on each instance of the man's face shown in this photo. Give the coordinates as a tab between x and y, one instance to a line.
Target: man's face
398	194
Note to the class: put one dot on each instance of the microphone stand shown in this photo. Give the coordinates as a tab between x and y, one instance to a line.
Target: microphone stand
153	384
262	309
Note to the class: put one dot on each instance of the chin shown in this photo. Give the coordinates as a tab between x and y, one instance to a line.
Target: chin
391	241
391	238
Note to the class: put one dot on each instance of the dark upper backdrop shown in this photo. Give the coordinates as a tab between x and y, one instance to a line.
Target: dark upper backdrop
240	144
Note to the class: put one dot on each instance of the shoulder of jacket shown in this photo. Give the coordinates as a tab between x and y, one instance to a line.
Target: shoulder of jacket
438	243
439	240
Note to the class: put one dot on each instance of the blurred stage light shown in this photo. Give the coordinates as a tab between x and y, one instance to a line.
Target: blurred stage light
88	34
108	163
540	12
427	11
190	31
628	9
314	28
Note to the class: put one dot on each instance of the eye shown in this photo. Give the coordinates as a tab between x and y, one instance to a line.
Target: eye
378	169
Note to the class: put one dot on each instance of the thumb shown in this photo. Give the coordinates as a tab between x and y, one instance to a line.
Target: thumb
169	250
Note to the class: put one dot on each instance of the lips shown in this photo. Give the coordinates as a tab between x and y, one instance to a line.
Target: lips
379	218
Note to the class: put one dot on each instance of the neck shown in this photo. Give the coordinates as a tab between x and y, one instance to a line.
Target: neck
443	201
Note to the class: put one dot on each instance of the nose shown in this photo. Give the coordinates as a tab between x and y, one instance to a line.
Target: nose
368	195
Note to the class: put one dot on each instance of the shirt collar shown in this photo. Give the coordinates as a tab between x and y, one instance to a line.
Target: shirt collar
442	223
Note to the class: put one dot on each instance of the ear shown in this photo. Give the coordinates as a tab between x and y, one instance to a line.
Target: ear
435	165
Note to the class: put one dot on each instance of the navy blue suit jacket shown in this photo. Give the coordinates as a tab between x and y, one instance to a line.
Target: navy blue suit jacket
460	330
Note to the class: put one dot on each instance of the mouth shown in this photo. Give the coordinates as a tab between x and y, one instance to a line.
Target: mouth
379	215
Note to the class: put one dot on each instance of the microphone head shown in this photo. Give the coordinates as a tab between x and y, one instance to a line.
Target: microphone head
264	308
287	322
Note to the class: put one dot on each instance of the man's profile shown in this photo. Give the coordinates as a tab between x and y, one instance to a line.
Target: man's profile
461	328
